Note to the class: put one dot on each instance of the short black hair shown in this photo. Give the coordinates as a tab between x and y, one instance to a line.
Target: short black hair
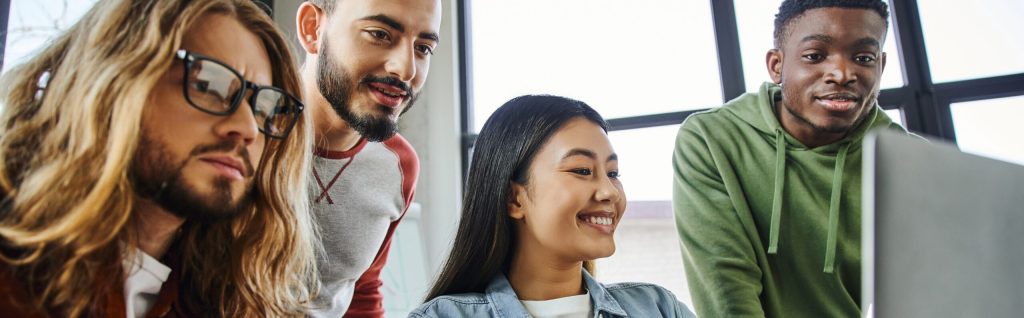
791	9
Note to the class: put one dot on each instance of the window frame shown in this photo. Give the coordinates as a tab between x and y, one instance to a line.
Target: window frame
5	12
925	105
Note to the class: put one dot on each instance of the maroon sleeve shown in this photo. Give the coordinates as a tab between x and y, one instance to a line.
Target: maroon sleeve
367	300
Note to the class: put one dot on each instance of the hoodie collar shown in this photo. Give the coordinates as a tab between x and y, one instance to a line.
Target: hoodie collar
758	111
762	117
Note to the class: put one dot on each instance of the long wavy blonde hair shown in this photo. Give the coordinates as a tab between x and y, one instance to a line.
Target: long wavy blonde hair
66	154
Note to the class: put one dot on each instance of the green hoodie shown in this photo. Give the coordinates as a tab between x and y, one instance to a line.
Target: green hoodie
768	227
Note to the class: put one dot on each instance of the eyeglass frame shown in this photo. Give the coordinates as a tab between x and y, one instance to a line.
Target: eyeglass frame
188	58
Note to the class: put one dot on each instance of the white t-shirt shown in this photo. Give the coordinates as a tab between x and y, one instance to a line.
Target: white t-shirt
146	276
566	307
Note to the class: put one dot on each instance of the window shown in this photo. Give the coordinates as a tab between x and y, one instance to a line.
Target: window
991	128
628	61
756	22
32	23
896	115
609	54
647	249
623	58
973	39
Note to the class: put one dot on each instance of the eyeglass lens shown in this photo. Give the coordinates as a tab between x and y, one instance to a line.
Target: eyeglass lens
217	89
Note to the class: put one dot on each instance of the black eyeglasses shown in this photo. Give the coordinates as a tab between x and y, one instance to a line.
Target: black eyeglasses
215	88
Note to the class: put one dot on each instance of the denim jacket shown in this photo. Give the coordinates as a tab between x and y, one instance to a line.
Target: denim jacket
615	300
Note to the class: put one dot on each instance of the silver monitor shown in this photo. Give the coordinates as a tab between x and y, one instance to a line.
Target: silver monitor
943	231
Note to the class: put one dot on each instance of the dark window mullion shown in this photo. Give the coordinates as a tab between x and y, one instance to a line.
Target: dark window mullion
465	81
982	88
727	40
5	11
647	121
922	112
898	98
974	90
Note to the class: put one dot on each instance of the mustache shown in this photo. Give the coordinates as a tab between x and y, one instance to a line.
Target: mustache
227	146
389	80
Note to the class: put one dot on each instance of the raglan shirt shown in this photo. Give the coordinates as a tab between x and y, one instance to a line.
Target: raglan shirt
358	198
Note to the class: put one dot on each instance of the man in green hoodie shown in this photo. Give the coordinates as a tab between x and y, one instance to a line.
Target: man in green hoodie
767	187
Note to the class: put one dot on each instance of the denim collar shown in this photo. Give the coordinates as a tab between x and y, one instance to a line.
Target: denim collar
505	302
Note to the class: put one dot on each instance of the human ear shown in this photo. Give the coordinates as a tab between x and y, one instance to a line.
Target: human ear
308	21
516	199
773	60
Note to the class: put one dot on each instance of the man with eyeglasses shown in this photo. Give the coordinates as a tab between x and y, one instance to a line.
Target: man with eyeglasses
366	61
152	163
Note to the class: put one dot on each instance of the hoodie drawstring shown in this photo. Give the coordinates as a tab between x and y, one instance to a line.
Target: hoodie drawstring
780	176
833	208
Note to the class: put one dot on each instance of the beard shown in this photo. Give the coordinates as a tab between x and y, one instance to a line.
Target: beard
336	85
161	181
832	128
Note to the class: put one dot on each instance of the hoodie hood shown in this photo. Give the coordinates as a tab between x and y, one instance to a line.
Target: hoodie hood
760	114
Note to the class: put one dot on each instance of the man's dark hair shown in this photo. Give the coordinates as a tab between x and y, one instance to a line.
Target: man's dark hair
791	9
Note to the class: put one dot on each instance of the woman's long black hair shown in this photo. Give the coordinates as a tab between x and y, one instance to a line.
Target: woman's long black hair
501	155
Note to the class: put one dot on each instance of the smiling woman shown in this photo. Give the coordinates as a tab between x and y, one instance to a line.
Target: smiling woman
545	204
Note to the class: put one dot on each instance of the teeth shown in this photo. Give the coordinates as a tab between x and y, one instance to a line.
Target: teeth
389	93
600	220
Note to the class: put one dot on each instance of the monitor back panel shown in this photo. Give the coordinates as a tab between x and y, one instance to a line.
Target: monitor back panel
948	231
